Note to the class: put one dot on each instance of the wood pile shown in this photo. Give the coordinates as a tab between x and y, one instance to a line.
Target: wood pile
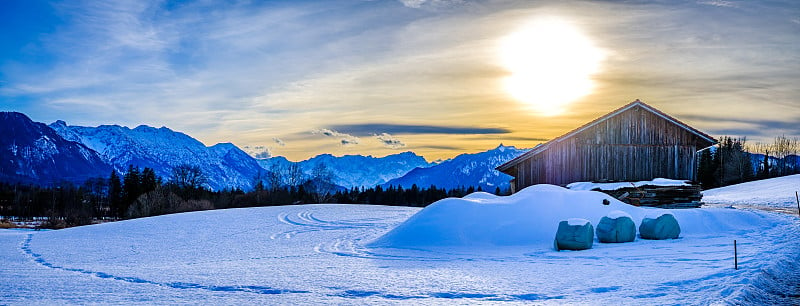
660	196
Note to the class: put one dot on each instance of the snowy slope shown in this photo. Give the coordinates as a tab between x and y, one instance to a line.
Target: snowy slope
464	170
357	170
774	192
321	254
224	164
31	152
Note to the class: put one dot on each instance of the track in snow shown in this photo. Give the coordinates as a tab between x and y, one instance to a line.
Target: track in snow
26	248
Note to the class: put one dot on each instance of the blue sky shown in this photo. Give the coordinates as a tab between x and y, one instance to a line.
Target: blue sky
300	78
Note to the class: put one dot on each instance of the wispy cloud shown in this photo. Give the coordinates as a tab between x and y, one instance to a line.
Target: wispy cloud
720	3
249	72
349	141
732	126
430	3
390	141
378	128
344	138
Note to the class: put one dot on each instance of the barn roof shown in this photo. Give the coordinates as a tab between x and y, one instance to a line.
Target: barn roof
542	147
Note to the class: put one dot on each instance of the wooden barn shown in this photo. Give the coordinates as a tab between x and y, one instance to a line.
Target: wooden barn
633	143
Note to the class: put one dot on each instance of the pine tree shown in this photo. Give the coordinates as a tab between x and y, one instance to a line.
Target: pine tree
706	170
115	194
149	180
131	189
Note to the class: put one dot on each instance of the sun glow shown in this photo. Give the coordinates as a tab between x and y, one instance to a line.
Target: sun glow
550	63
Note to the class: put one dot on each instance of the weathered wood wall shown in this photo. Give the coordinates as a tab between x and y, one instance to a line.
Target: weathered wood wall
631	146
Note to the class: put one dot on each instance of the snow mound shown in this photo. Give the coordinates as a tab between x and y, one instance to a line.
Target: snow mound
620	185
531	217
480	196
774	192
528	217
618	214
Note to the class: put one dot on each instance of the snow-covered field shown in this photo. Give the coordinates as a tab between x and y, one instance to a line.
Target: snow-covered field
774	192
471	252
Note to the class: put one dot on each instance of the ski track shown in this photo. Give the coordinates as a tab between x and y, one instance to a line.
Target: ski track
771	286
309	223
26	248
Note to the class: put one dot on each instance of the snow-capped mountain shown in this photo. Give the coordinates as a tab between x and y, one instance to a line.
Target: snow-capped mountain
224	164
464	170
356	170
31	152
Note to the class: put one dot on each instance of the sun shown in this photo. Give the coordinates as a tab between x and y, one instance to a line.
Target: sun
551	64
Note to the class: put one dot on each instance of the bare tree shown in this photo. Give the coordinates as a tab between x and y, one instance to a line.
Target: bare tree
294	175
187	176
321	183
275	177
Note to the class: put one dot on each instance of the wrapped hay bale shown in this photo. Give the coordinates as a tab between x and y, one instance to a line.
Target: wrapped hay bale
574	234
659	227
616	227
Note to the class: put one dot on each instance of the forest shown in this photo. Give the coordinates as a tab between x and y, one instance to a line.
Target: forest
140	193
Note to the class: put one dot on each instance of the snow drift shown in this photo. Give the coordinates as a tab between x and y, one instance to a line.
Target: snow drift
531	217
774	192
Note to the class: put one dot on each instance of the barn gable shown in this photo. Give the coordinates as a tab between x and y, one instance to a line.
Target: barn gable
634	142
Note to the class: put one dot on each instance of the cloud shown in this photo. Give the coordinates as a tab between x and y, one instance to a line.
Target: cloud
387	61
524	138
279	141
441	147
258	152
328	132
379	128
344	139
720	3
390	141
432	3
760	128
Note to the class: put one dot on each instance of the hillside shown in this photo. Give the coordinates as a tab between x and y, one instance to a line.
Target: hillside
161	149
31	152
773	192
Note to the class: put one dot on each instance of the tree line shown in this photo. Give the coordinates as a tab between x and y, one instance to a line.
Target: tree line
141	193
735	161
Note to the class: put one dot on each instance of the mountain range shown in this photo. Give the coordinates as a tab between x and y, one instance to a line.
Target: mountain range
161	149
31	152
464	170
355	171
36	153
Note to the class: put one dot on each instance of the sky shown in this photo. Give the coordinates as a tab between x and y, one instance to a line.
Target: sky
436	77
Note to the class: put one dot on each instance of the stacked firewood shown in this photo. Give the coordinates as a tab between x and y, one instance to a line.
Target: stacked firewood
660	196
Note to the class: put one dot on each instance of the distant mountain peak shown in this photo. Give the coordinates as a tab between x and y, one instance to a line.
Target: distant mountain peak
464	170
356	170
32	152
161	149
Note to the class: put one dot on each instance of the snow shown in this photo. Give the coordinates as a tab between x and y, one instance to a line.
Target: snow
616	214
577	221
774	192
528	217
620	185
655	214
329	254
